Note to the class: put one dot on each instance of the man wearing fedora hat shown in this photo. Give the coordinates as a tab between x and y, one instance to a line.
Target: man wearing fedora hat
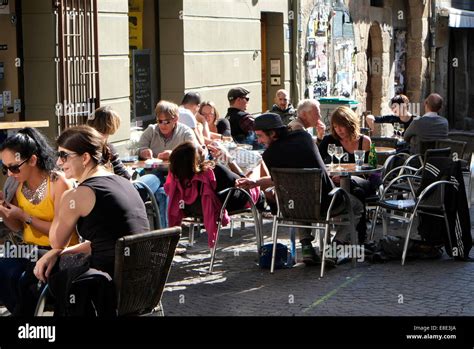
296	149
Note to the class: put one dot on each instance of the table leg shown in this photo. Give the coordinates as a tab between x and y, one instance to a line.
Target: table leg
345	182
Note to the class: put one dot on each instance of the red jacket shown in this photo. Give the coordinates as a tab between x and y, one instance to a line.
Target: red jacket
211	205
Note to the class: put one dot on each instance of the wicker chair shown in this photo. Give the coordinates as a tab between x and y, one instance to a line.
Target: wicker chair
384	142
464	137
299	195
142	265
457	147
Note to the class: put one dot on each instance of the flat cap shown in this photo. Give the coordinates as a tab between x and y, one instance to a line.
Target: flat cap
237	92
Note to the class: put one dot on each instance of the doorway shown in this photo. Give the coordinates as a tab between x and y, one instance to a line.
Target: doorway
272	57
374	89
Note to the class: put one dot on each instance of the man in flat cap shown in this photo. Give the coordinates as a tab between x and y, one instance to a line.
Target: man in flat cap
295	149
241	122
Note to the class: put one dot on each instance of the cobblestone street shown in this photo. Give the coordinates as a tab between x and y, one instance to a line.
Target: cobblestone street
440	287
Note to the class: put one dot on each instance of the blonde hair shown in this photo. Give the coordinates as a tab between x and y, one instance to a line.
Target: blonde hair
168	108
345	117
105	120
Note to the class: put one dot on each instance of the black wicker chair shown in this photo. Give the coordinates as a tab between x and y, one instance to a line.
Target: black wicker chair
298	193
142	265
457	147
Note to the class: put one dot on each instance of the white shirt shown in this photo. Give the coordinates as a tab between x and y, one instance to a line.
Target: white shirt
187	118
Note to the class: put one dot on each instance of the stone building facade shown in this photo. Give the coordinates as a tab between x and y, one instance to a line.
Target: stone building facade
391	51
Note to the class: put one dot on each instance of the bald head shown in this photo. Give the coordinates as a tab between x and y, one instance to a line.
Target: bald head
433	103
282	99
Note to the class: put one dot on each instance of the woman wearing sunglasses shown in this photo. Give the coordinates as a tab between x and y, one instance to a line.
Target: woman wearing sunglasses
29	161
103	208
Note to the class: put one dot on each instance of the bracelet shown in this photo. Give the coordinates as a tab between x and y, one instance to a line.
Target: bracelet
29	220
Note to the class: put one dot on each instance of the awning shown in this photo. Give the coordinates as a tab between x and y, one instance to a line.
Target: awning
458	18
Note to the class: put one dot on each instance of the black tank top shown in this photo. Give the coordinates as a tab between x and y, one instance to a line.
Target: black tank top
118	211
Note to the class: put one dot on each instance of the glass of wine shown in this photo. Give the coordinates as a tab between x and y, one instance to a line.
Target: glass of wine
339	155
396	126
331	152
401	130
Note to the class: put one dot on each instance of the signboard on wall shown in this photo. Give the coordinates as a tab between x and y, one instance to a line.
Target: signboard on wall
141	74
135	24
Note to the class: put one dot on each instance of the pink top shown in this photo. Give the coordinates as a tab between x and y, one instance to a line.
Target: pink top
211	205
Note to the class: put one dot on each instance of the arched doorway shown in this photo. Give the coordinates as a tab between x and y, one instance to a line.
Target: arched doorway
374	88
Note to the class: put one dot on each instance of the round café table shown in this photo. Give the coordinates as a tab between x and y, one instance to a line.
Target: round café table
346	170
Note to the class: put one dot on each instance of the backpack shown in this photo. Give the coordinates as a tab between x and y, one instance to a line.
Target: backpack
281	257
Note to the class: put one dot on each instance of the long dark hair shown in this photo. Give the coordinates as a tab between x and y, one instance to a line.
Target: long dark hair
28	142
85	139
186	160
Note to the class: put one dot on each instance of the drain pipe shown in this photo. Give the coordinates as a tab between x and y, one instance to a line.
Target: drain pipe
433	22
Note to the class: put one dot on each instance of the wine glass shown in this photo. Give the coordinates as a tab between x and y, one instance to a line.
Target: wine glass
331	152
339	155
401	130
396	126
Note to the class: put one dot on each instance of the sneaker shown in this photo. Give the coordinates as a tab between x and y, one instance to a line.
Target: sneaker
309	255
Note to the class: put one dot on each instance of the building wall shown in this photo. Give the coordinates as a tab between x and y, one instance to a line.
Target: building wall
379	23
454	67
114	61
40	69
214	45
39	64
8	36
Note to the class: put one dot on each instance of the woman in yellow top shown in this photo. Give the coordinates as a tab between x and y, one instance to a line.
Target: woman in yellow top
30	160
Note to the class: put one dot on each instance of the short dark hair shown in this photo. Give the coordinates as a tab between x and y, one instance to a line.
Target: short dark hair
399	99
435	102
191	98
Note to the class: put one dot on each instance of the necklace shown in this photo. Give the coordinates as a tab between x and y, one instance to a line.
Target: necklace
37	195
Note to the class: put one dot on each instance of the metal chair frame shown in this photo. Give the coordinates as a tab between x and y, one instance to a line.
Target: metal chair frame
291	222
413	207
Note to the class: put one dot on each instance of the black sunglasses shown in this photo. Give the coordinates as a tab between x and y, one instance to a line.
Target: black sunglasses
13	168
246	98
166	122
64	155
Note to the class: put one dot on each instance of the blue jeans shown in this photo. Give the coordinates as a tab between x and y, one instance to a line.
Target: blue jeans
10	273
155	182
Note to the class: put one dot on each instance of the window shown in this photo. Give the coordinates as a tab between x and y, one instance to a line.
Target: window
77	61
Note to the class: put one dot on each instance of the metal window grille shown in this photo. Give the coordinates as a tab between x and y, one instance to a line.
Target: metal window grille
77	61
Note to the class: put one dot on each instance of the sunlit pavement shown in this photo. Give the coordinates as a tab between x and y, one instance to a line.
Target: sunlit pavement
239	286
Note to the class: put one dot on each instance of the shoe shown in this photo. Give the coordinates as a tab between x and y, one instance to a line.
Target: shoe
180	251
330	262
309	255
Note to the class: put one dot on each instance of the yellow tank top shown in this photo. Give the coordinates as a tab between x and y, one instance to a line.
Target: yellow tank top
44	211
